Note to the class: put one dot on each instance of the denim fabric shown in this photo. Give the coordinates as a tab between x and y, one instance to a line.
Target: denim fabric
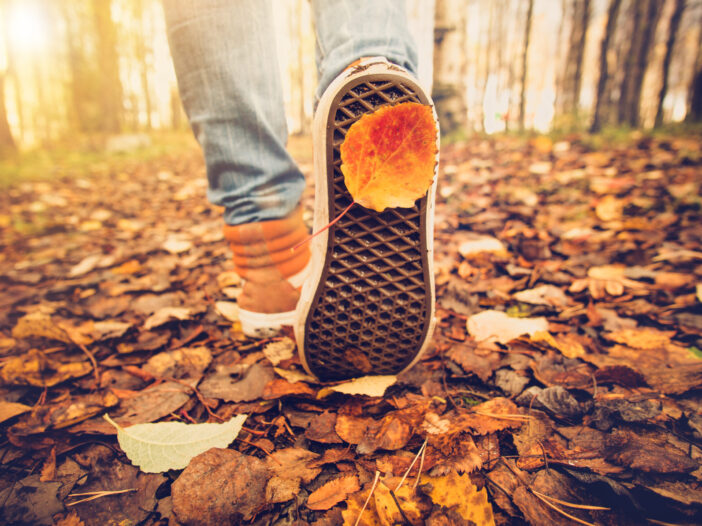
224	53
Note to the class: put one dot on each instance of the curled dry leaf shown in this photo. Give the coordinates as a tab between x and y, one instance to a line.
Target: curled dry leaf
388	157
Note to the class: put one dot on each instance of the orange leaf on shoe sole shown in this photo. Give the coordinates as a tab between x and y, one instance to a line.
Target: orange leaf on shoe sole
388	156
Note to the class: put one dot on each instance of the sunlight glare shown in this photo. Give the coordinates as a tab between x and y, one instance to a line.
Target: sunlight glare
27	27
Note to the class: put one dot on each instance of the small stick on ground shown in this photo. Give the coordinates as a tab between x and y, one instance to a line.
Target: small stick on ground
421	450
97	495
370	494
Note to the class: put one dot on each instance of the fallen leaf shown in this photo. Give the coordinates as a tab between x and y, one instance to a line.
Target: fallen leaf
388	157
498	326
641	338
220	486
228	310
30	501
482	244
386	507
332	493
293	375
176	245
568	344
34	368
171	445
236	383
321	429
11	409
278	388
366	385
189	362
543	295
458	492
166	314
39	325
280	350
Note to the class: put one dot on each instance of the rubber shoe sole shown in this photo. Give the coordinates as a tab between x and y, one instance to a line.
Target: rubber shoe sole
368	305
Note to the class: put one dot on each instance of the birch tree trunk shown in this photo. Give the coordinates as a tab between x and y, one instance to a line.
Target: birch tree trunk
525	56
108	64
7	143
646	16
612	15
573	74
670	44
449	87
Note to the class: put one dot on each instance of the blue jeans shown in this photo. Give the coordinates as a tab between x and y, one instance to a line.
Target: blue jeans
224	54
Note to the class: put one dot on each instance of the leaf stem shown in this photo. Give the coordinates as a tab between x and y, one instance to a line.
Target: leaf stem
312	236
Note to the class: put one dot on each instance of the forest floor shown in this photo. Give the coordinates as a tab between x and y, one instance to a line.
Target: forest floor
564	381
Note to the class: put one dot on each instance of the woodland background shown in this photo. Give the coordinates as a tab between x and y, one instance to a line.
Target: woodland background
563	382
92	68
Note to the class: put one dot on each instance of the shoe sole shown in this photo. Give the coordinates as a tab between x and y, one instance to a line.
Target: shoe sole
368	307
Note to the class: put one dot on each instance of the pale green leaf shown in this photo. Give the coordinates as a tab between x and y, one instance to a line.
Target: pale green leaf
171	445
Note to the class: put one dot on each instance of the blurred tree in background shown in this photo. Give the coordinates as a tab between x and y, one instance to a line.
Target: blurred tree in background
87	69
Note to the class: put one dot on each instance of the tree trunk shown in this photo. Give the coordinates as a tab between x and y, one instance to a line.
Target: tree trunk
108	62
646	16
449	88
525	54
672	36
7	143
694	112
572	77
612	14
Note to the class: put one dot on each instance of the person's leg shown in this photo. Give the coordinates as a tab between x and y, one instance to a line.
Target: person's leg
348	30
368	306
225	60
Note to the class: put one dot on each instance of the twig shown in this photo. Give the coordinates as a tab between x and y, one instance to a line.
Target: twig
370	493
97	495
421	465
397	503
570	504
421	449
92	360
559	510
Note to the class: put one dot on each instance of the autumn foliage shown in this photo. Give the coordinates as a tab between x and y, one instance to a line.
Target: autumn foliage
389	156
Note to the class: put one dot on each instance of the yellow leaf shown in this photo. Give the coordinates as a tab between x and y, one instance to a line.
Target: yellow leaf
388	157
458	492
569	346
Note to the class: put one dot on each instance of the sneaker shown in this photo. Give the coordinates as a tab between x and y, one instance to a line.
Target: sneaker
272	273
368	305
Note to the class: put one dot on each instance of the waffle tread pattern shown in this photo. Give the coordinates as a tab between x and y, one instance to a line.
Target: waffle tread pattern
370	313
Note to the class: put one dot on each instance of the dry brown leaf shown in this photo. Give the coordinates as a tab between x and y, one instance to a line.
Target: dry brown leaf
34	368
280	350
568	344
332	493
497	326
641	338
166	314
11	409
